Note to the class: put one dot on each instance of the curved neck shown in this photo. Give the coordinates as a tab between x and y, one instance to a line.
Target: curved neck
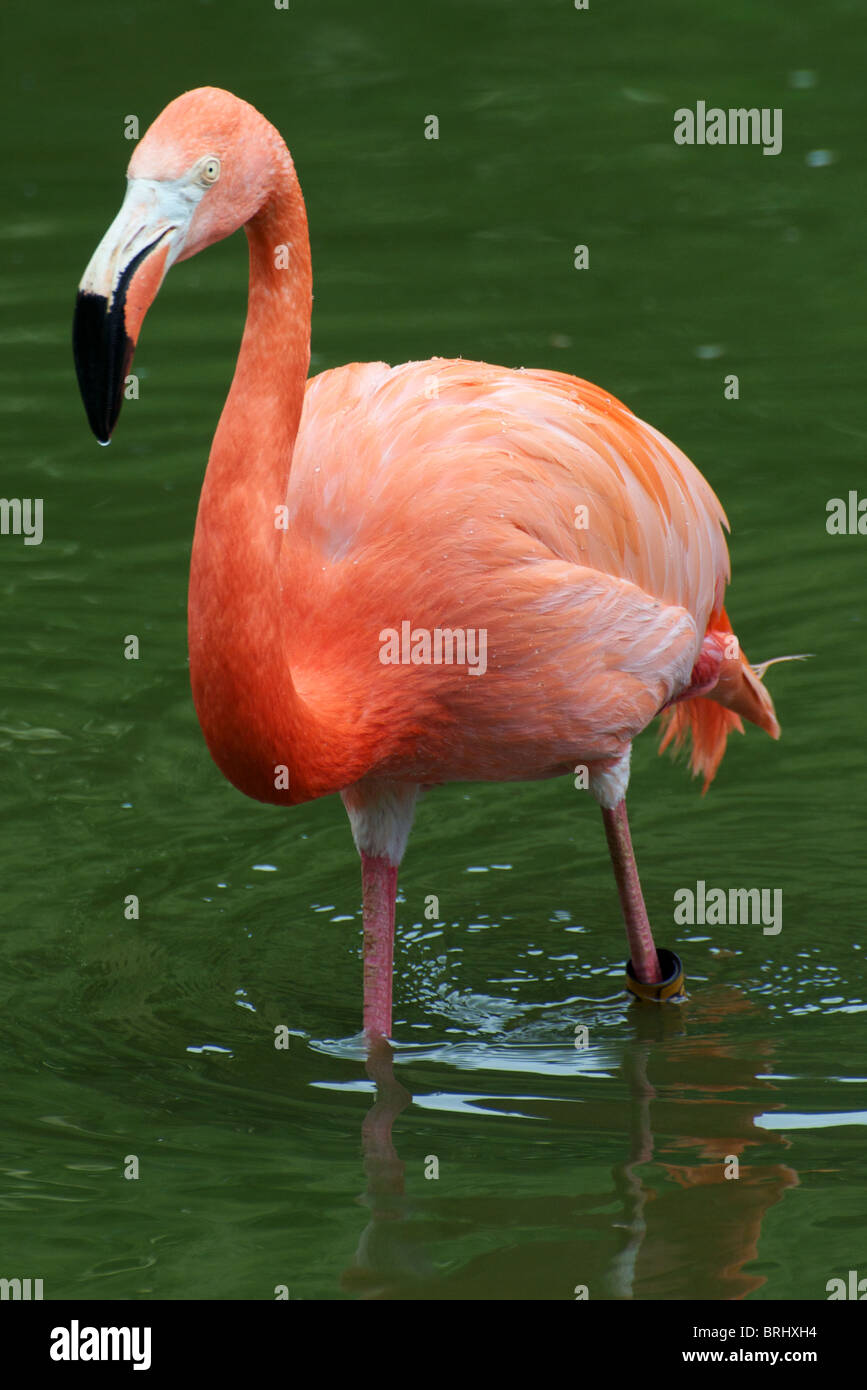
248	709
260	419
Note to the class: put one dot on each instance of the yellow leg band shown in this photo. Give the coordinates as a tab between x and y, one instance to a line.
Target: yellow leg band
670	989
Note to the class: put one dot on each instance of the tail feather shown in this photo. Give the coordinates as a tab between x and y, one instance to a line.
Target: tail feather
707	726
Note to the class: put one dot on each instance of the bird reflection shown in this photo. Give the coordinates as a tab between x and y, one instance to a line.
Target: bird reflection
705	1102
675	1222
388	1259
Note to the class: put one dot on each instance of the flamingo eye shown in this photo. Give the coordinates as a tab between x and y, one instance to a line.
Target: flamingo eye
209	171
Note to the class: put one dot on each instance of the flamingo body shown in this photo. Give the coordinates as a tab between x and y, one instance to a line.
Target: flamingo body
526	506
459	510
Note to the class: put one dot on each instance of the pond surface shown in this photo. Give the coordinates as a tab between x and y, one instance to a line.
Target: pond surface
500	1159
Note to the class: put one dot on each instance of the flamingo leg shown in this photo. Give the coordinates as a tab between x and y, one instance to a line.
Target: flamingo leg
642	951
379	887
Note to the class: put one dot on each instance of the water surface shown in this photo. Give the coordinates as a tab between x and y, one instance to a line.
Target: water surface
558	1167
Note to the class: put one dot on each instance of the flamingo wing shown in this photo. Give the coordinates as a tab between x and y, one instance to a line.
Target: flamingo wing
525	504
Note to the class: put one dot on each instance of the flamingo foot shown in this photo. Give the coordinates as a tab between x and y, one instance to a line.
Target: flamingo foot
379	887
644	965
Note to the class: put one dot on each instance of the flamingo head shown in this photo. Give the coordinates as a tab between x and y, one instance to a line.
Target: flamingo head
202	170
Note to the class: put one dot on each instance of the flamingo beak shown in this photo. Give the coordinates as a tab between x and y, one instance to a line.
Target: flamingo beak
116	291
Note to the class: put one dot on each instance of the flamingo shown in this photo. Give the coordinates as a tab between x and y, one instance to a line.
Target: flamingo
346	520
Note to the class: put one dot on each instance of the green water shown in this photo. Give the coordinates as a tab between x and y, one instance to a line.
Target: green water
558	1167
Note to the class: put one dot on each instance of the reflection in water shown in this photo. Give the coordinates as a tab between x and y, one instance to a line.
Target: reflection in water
716	1124
694	1228
388	1258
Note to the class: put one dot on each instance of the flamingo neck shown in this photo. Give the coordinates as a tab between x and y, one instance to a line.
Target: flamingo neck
262	413
238	610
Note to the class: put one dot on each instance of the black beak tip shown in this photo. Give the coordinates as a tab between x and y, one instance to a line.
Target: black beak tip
103	354
103	349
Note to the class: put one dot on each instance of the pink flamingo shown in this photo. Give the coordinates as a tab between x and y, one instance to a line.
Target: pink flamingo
571	559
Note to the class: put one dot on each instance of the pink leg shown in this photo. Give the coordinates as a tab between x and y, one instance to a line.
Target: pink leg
641	948
379	886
